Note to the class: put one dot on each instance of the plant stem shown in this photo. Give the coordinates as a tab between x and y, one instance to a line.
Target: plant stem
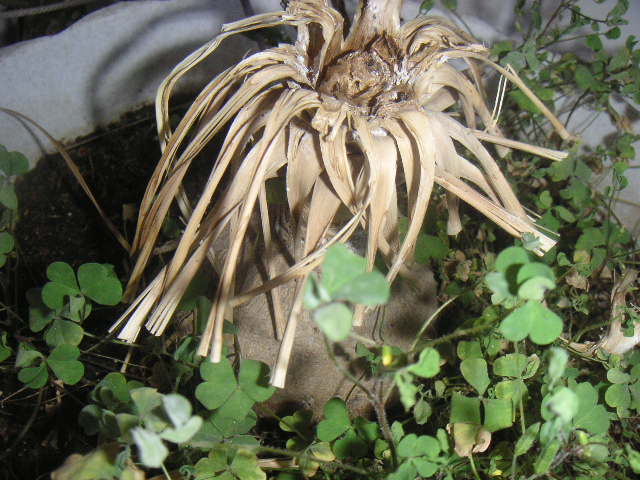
429	321
473	467
461	332
164	470
377	405
293	454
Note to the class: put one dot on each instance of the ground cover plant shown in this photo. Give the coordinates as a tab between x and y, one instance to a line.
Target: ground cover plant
529	368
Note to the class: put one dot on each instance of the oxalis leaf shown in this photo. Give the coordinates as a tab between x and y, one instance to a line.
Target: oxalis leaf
13	163
474	371
253	379
534	280
340	267
63	360
407	389
225	464
7	242
5	349
34	377
26	355
152	450
177	408
183	433
220	383
62	284
336	420
334	320
498	414
428	364
532	319
591	416
63	332
232	399
370	288
100	283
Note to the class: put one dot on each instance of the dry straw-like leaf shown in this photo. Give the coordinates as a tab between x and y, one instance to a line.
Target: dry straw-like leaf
360	128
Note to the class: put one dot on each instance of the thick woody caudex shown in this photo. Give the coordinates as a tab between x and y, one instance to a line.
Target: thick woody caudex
360	126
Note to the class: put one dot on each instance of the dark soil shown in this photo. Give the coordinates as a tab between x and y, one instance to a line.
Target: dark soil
58	222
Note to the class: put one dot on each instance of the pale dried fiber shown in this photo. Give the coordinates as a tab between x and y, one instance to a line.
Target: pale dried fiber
360	128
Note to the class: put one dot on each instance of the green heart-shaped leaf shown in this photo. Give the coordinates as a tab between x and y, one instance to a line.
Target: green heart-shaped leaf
13	163
546	325
253	379
517	324
428	364
334	320
370	288
63	361
6	242
340	267
34	377
100	283
152	450
336	420
220	383
474	371
63	332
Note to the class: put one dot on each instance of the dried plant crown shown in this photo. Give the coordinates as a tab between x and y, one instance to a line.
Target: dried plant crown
366	123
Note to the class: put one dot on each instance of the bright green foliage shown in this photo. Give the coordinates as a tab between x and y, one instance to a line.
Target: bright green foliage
427	366
335	321
520	280
301	425
64	302
95	281
5	349
225	463
591	416
12	164
624	392
533	320
474	371
63	360
344	279
336	420
7	243
233	398
133	414
465	409
152	450
348	439
498	414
